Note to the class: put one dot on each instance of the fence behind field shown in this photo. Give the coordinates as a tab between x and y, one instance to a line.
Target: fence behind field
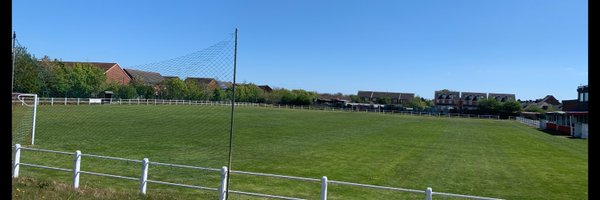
146	163
530	122
97	101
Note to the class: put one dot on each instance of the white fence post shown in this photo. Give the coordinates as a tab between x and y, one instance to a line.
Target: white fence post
52	101
428	193
17	160
65	100
144	177
222	192
324	188
77	100
76	168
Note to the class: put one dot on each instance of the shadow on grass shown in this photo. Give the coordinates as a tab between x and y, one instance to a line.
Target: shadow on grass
556	133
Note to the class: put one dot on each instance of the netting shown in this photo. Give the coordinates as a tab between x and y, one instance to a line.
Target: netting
172	111
23	117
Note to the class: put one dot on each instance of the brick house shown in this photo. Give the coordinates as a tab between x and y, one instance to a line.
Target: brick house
153	79
446	100
455	101
501	97
544	103
469	100
114	73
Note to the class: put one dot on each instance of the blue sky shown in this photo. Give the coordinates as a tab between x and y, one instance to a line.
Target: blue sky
526	47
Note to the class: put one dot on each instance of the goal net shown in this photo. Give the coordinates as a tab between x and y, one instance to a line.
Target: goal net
24	111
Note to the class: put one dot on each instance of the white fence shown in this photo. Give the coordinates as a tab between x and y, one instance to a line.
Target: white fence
144	180
530	122
91	101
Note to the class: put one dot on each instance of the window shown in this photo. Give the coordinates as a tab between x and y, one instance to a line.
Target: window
585	95
581	97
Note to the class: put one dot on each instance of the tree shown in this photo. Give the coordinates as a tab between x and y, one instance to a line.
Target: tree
249	93
287	97
534	108
510	107
28	75
303	97
126	92
79	80
257	95
194	91
489	106
143	91
384	100
355	99
417	103
174	89
86	79
429	102
218	95
274	96
59	82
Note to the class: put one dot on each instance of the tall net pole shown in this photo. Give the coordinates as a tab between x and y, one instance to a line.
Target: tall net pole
232	107
13	62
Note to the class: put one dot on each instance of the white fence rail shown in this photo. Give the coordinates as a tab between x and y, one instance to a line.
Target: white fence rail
93	101
530	122
143	179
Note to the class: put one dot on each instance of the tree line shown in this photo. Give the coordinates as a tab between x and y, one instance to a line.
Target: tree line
52	78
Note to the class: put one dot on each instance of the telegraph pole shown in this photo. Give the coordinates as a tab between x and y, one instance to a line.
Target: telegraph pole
232	106
13	62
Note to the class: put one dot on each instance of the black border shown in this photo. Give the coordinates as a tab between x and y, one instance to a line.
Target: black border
6	87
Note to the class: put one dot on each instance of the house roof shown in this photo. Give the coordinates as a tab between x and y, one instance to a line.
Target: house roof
334	97
170	77
224	85
392	95
472	95
365	94
102	65
549	99
265	88
201	80
146	77
574	105
501	96
446	94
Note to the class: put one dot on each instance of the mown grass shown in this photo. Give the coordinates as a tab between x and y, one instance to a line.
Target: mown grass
502	159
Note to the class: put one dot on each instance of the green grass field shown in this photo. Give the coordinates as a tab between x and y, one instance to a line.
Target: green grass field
502	159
